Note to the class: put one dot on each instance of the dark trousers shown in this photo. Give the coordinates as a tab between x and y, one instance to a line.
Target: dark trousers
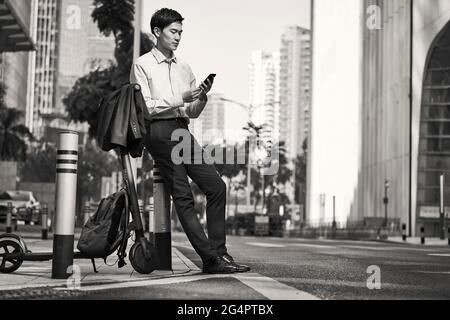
158	142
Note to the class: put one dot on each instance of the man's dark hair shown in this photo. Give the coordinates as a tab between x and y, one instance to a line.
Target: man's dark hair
164	18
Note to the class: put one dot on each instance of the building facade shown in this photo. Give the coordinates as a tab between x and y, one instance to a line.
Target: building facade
17	45
397	121
70	46
45	70
264	72
294	88
209	128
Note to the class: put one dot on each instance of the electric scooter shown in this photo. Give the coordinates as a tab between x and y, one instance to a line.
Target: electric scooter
142	255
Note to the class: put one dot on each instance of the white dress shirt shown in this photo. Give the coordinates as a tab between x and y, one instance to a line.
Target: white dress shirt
163	81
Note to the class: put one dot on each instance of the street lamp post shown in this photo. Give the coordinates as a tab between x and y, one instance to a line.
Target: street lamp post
386	202
250	110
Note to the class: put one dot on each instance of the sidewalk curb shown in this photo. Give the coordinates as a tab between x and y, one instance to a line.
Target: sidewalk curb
42	279
406	244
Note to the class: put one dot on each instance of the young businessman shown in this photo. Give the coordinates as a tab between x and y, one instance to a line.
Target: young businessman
172	97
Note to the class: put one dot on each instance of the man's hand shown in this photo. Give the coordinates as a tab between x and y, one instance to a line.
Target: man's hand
205	88
191	96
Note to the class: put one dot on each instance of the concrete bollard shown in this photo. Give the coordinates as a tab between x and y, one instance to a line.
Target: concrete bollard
66	189
151	221
9	218
141	212
422	235
44	221
87	211
404	235
162	223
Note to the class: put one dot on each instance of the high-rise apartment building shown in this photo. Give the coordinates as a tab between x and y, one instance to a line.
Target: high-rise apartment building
209	128
294	92
264	70
70	46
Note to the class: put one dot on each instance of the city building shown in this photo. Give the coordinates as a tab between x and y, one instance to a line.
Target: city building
70	46
264	71
45	68
17	45
294	88
209	128
382	128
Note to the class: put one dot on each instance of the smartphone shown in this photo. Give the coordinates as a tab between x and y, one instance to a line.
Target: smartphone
210	77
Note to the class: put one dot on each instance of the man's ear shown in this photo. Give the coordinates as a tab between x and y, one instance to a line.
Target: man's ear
157	32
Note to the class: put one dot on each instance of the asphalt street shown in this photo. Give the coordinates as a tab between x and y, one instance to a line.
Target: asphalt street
285	268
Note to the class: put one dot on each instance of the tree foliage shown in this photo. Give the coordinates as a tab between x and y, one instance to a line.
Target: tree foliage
113	17
13	134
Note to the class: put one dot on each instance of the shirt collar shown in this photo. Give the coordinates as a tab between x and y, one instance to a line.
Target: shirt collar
160	57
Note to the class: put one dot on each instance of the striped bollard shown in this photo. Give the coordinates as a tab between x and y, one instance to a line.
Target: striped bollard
66	189
141	212
448	235
151	221
9	218
422	235
44	221
162	227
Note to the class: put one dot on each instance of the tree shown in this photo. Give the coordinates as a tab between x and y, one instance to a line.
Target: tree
93	164
40	166
112	17
300	175
229	170
276	151
13	135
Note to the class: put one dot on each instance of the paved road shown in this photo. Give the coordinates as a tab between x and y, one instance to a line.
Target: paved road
300	269
339	269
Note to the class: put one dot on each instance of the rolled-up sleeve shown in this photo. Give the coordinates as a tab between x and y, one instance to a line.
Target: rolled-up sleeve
194	109
155	106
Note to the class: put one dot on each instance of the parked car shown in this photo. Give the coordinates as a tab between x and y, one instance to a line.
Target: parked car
25	202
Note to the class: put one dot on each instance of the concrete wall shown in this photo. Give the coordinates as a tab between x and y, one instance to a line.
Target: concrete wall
385	113
336	98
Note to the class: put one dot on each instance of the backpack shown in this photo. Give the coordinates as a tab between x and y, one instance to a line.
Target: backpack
103	233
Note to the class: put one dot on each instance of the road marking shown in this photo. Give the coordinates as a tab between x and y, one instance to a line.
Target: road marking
367	248
318	246
439	254
271	288
192	266
265	245
431	272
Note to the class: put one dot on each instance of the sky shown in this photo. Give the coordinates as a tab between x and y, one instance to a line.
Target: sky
219	37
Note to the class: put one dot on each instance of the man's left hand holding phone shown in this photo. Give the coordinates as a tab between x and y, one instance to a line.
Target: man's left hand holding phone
205	87
201	92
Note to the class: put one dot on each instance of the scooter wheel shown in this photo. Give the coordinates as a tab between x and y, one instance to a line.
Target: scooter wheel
139	262
8	247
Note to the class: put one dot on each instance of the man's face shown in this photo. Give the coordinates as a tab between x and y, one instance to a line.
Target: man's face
170	37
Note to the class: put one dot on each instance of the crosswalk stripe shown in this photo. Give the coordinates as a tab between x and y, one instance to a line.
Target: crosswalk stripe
272	289
265	245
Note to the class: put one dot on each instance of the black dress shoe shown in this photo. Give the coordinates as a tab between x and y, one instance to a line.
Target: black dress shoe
218	266
238	267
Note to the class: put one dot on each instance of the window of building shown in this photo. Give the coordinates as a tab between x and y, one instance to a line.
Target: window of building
434	146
